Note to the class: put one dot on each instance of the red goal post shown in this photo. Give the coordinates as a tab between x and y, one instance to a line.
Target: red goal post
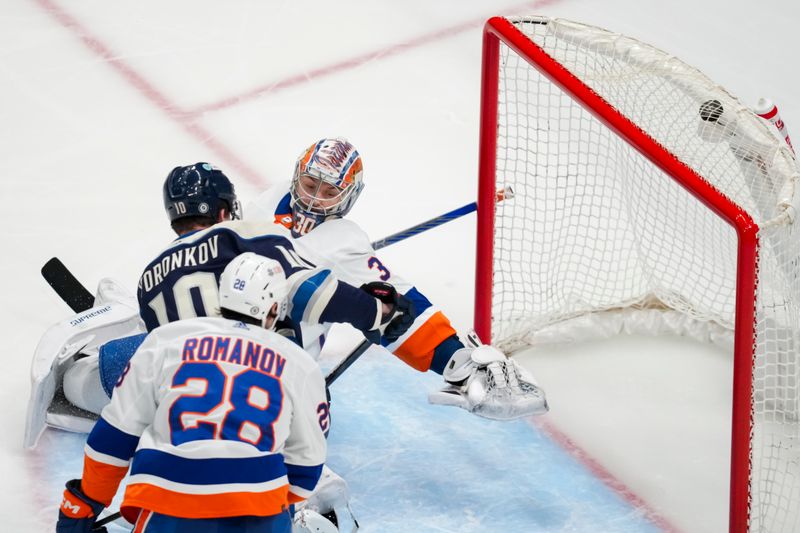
641	184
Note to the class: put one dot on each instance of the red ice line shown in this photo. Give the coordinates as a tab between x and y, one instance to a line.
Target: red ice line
348	64
156	97
601	473
187	120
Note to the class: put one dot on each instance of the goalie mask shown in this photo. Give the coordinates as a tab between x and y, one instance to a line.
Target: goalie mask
251	284
328	177
199	190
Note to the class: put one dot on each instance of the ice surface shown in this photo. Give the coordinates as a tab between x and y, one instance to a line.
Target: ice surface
101	99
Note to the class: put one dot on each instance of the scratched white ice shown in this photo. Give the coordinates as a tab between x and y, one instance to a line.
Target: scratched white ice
100	100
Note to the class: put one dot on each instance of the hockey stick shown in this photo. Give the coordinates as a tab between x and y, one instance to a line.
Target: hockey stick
79	299
67	286
332	376
345	363
107	520
502	194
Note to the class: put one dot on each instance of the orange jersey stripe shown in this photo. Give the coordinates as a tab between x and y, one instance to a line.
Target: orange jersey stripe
100	480
417	350
141	522
163	501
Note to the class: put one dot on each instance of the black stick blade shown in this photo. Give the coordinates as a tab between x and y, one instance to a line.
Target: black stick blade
67	286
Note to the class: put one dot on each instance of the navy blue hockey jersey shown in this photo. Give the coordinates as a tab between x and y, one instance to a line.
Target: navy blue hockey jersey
182	282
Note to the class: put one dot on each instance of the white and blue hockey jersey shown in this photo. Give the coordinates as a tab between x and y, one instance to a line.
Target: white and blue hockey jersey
342	246
215	418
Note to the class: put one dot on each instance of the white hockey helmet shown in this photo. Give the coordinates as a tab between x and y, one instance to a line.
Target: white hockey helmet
251	284
337	171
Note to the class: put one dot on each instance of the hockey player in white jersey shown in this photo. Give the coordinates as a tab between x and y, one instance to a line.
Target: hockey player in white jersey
327	181
221	421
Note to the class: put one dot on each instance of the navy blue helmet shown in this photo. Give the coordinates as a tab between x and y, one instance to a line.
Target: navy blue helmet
199	190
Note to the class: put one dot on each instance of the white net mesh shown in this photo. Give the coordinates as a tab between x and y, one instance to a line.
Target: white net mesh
595	226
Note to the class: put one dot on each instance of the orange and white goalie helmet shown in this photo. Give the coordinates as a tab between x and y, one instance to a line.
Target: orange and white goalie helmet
328	177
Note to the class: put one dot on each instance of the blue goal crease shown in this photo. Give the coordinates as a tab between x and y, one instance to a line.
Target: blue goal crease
412	466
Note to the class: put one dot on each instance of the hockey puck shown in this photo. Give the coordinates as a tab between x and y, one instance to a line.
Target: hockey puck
711	110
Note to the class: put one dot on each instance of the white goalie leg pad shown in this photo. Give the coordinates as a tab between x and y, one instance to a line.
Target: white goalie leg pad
485	382
82	386
55	353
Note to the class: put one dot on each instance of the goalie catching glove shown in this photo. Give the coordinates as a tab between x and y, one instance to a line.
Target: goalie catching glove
485	382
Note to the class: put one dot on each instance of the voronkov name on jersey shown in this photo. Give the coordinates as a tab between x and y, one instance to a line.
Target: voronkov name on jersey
190	256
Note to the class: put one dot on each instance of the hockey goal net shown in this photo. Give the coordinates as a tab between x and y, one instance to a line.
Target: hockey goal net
642	189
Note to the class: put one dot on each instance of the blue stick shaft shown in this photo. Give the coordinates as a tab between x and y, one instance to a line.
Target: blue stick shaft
425	226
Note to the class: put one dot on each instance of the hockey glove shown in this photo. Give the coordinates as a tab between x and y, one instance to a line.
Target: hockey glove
485	382
78	512
401	313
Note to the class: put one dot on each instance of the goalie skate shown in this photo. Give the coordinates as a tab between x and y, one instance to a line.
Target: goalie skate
321	511
309	521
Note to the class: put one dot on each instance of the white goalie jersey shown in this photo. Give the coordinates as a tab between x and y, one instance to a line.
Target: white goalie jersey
342	246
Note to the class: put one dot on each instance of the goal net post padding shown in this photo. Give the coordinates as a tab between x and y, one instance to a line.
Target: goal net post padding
646	199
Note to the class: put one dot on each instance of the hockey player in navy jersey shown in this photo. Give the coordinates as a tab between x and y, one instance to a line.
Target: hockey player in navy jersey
181	282
221	421
327	181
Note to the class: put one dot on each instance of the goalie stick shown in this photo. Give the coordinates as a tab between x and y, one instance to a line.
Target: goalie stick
79	299
72	291
506	193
